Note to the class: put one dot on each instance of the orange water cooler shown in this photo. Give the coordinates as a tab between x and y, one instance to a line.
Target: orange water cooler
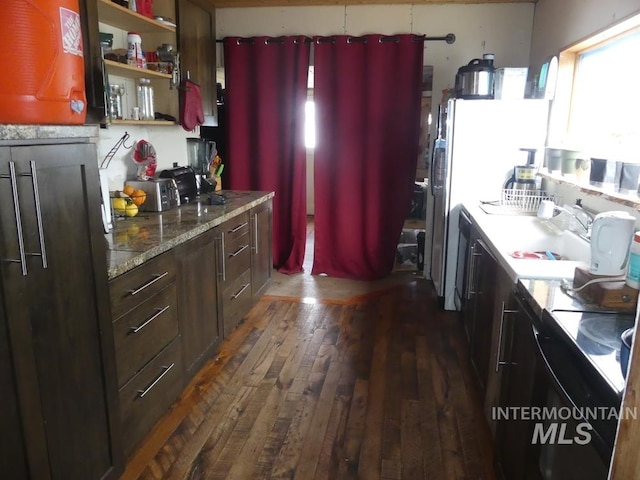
42	78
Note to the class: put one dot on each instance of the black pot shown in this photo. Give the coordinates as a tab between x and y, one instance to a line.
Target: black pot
625	350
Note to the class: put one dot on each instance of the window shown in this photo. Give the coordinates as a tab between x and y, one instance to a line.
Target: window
310	124
605	104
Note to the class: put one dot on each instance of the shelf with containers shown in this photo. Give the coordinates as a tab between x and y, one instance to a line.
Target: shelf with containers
118	21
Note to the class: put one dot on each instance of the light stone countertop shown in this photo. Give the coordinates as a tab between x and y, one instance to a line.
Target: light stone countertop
135	240
18	133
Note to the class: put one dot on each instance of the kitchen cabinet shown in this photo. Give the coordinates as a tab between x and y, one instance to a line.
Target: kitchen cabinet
200	323
234	280
60	410
475	289
483	296
502	312
261	253
515	453
147	343
197	46
153	34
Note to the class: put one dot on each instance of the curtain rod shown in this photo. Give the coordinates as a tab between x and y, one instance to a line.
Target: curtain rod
449	38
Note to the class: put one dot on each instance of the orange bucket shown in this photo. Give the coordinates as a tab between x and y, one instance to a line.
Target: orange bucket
43	77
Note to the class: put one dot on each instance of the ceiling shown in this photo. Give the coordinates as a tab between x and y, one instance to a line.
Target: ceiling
301	3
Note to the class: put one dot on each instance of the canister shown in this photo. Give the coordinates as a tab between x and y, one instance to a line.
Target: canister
134	50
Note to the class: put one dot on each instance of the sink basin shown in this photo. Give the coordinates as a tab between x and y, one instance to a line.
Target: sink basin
569	246
509	234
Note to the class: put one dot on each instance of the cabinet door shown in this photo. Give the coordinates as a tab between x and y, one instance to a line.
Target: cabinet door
487	268
13	455
60	327
94	73
261	255
197	46
197	299
514	434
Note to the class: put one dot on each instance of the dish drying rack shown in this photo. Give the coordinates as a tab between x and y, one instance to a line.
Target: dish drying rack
523	201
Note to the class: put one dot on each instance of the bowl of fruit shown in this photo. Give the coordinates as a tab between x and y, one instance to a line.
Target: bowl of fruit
125	202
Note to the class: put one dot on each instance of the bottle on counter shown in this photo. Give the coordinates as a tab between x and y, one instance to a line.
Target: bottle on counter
633	268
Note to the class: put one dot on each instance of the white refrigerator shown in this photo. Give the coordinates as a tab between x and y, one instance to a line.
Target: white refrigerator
482	143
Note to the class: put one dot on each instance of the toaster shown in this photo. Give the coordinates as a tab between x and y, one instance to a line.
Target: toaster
185	178
162	194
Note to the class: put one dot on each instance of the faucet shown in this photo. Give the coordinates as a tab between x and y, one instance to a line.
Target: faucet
548	208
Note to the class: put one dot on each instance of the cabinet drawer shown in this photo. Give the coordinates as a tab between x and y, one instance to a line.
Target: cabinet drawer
235	228
236	301
134	287
150	393
236	257
141	333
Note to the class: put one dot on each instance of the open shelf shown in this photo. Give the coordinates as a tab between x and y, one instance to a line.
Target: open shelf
121	17
155	123
124	70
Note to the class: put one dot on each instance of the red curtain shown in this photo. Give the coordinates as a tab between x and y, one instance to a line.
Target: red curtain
266	87
367	93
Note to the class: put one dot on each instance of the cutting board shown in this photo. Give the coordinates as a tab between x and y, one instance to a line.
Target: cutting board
615	295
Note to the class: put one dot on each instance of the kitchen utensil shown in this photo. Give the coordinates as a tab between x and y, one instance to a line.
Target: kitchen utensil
162	194
611	237
475	80
625	350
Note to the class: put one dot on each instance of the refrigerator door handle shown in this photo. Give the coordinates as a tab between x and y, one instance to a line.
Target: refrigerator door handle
438	171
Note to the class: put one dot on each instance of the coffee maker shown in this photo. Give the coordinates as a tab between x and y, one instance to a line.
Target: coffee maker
524	176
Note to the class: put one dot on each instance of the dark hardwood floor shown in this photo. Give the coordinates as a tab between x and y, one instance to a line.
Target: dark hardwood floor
379	388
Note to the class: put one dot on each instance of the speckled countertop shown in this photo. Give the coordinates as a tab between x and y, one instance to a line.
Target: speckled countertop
18	133
135	240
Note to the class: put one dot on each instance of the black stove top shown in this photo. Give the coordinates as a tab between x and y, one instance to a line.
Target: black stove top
597	337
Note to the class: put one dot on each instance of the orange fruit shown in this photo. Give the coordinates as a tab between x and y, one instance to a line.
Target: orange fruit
138	197
128	189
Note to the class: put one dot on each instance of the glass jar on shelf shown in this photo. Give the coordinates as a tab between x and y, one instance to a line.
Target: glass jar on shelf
145	99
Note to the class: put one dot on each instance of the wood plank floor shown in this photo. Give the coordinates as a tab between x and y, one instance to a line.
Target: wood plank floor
380	388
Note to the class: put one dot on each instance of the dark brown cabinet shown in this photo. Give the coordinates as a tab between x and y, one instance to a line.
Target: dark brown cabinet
514	451
58	375
197	47
261	254
200	324
234	272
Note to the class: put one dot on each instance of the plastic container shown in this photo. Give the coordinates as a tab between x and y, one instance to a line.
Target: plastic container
43	82
135	57
633	269
145	100
510	83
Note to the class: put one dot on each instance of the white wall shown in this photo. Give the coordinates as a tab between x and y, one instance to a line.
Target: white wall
169	142
561	23
503	29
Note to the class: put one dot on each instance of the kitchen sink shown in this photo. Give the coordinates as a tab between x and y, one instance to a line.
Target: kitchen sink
511	234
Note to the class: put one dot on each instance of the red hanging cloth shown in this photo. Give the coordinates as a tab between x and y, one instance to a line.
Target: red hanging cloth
367	93
266	86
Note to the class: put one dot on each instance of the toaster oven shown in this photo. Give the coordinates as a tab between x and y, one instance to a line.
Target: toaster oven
185	179
162	194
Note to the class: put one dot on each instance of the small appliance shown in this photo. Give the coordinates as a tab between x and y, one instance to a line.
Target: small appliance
524	176
185	178
162	194
611	236
476	79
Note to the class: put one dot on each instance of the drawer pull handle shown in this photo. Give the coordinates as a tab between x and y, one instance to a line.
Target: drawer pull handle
234	230
16	208
158	378
255	227
239	251
244	287
36	200
149	283
224	260
159	311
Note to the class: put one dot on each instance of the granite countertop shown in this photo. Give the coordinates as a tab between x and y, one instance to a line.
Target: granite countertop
18	133
135	240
